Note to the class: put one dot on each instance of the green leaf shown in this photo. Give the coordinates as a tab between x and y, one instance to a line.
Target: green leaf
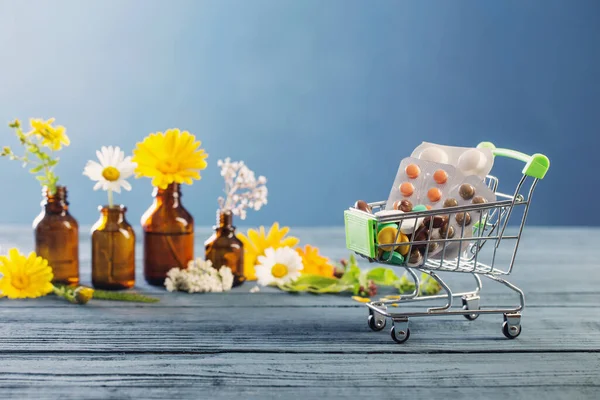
351	275
37	169
315	280
383	276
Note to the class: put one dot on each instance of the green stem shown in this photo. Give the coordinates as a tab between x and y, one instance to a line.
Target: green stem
120	296
110	198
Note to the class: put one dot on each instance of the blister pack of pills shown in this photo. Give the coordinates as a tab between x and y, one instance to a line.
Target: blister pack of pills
467	160
421	182
471	190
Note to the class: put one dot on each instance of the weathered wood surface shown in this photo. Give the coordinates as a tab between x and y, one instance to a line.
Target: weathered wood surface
277	345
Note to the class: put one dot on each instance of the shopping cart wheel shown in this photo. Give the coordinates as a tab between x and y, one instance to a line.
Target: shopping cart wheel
511	327
376	323
470	303
400	331
509	331
470	317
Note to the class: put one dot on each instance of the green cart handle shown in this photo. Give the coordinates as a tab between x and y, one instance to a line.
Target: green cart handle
536	165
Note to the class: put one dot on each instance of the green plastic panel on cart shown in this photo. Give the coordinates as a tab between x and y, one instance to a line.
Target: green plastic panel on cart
360	232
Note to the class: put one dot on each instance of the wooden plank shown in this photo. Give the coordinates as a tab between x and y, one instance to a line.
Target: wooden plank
101	328
570	375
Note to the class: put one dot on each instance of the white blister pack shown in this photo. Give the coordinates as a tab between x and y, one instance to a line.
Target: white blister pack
422	182
467	160
471	190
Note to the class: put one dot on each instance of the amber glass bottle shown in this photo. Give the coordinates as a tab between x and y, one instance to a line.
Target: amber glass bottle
168	235
224	248
113	250
57	236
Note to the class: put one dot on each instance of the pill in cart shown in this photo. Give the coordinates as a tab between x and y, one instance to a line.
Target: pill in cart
387	234
363	206
468	160
393	257
421	182
471	190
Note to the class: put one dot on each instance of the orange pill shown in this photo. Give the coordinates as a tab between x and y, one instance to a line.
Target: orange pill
440	176
412	171
407	189
428	207
434	195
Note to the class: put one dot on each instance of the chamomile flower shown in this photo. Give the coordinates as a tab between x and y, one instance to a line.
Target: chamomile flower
111	172
278	266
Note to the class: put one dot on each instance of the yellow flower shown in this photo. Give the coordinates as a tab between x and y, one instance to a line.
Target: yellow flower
314	263
83	294
173	156
24	277
361	299
256	243
52	137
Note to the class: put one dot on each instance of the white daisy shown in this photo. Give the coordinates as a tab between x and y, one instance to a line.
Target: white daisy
112	171
278	266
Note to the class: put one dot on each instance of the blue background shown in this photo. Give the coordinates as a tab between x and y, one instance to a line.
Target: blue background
324	97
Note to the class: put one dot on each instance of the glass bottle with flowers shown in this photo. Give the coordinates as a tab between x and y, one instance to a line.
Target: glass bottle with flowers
56	231
243	190
113	238
170	159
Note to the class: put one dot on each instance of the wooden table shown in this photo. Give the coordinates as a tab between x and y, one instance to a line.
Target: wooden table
277	345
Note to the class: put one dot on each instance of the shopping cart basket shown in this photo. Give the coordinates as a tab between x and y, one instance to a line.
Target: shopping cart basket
490	225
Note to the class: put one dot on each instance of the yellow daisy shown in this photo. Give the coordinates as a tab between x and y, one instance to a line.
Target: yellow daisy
256	243
52	137
24	277
314	263
173	156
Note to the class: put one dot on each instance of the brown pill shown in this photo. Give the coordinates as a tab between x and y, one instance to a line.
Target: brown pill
438	221
466	191
463	217
416	258
421	235
405	205
433	246
447	231
363	206
479	200
450	203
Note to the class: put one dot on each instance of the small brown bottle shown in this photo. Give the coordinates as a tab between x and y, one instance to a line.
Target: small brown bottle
57	236
113	250
224	248
168	235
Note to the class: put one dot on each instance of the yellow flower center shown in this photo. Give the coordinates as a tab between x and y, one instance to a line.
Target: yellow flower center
111	174
20	281
168	166
279	270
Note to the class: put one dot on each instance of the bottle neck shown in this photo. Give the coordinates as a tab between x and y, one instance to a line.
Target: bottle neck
225	221
55	202
114	214
170	197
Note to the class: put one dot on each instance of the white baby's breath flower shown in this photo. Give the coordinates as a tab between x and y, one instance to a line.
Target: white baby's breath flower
243	191
226	278
199	277
255	289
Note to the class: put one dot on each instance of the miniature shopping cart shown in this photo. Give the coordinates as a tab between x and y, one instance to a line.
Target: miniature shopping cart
494	261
